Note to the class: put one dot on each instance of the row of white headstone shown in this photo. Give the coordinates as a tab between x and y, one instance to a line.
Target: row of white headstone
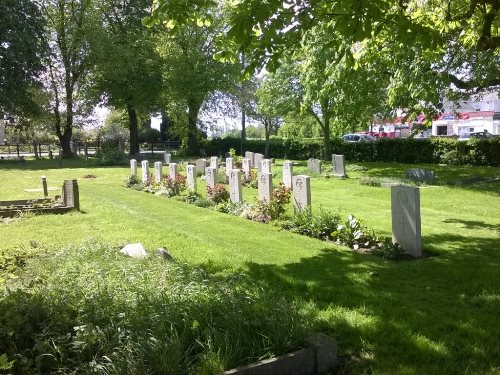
405	200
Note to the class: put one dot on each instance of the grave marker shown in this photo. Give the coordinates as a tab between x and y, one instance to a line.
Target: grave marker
201	164
250	155
214	162
229	165
266	166
247	167
133	167
406	227
191	177
71	194
338	162
421	175
158	171
257	158
44	186
235	186
287	173
145	171
301	192
172	170
210	176
166	158
265	182
314	165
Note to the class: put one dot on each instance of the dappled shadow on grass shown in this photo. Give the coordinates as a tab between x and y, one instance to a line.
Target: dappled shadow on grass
394	316
473	224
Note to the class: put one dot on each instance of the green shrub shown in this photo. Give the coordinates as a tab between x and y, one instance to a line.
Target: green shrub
132	180
173	186
354	235
109	154
218	194
389	250
320	226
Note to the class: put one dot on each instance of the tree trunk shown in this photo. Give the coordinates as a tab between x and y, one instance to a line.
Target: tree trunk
133	130
164	127
193	145
267	132
243	131
326	139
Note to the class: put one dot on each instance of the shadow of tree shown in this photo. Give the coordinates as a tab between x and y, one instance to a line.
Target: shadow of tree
473	224
434	315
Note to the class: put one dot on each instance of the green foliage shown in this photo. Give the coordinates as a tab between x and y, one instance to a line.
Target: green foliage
131	181
354	235
280	198
320	226
390	250
110	154
218	193
86	308
173	186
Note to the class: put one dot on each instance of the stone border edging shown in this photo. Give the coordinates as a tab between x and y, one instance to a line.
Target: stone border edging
318	357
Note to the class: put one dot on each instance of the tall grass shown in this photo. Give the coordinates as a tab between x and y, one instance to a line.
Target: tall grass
89	309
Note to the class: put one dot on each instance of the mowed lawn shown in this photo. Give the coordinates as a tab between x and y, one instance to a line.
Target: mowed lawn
436	315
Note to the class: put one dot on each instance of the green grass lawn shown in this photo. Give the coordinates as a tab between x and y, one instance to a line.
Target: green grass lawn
436	315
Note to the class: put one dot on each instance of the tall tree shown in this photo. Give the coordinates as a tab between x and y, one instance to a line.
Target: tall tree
69	23
128	69
22	48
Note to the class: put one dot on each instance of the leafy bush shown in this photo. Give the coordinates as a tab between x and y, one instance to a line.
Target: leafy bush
389	250
250	180
109	154
320	226
132	180
354	235
218	194
173	186
280	197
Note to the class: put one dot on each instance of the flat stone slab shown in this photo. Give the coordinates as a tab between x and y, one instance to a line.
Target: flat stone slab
134	250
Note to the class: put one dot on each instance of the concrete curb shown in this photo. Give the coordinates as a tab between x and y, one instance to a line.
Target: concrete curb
318	357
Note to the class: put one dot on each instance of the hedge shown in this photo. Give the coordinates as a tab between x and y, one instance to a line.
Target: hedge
401	150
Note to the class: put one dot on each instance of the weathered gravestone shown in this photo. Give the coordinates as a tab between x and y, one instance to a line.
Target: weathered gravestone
301	192
210	176
405	207
314	165
229	165
191	177
133	167
145	171
235	186
250	155
257	158
214	162
266	166
71	194
247	167
287	173
265	182
420	175
167	158
172	170
44	186
158	171
338	162
201	164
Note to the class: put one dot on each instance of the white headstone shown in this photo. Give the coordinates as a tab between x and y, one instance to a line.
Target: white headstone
167	158
172	170
247	167
257	158
158	171
229	165
314	165
338	162
250	155
265	182
201	164
134	250
145	171
266	166
214	162
191	177
211	177
301	192
235	186
287	173
133	167
406	228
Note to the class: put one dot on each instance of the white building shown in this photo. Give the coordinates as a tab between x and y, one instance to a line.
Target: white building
482	114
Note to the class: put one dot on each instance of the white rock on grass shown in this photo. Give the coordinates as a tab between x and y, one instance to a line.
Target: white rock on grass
134	250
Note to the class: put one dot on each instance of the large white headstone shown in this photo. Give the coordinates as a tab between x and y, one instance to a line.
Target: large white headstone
191	177
287	173
406	227
247	167
167	158
172	170
265	183
145	171
229	165
257	158
211	177
301	192
214	162
158	171
314	165
235	186
338	162
266	166
201	164
133	167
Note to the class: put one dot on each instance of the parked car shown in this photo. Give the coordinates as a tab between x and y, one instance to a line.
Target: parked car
477	135
353	138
